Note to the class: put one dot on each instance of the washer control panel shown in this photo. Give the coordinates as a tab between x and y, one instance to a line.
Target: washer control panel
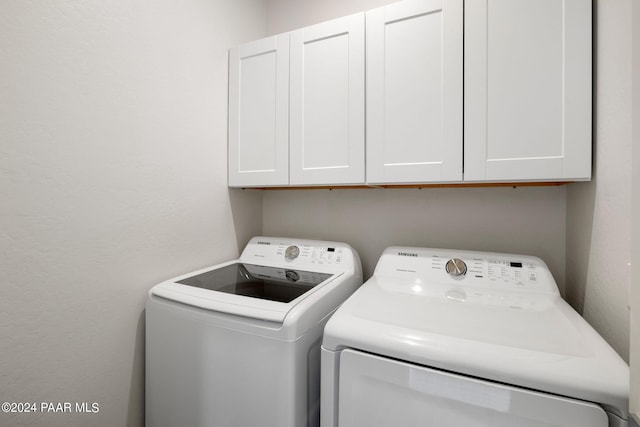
301	254
313	254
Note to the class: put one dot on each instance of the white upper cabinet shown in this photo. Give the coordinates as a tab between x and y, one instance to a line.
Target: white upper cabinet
259	113
527	101
414	92
456	91
327	103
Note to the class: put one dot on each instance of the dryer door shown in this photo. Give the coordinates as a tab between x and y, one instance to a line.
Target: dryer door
375	392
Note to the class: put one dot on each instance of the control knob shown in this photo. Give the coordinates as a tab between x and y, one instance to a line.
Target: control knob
291	253
456	267
292	276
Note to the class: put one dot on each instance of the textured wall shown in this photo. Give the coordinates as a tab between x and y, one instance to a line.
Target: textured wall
522	220
112	178
287	15
599	212
597	220
635	225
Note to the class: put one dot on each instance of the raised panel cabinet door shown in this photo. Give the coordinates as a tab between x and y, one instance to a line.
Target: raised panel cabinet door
259	113
527	90
327	103
414	92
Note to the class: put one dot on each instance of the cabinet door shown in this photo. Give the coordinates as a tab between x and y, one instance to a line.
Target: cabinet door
527	90
259	113
327	103
414	92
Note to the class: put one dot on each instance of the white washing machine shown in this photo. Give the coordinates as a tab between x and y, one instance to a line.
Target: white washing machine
238	344
448	338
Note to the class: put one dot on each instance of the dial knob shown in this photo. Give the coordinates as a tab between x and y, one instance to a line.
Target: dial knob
292	276
456	267
291	253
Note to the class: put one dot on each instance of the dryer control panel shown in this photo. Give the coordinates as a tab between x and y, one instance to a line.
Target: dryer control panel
467	269
492	269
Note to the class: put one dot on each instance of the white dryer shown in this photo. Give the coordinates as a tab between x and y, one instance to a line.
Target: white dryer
448	338
238	344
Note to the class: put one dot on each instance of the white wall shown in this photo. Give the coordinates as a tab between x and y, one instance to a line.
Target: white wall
523	220
599	212
112	178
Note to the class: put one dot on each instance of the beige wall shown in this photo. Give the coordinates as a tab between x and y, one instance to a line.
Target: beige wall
112	178
586	224
287	15
522	220
599	212
635	225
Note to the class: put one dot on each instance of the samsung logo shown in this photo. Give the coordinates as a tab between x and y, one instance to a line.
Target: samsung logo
408	254
263	243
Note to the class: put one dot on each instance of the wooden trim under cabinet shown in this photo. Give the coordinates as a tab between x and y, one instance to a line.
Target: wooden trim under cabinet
462	185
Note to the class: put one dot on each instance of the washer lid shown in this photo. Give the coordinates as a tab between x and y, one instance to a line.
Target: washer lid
258	291
257	281
531	340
